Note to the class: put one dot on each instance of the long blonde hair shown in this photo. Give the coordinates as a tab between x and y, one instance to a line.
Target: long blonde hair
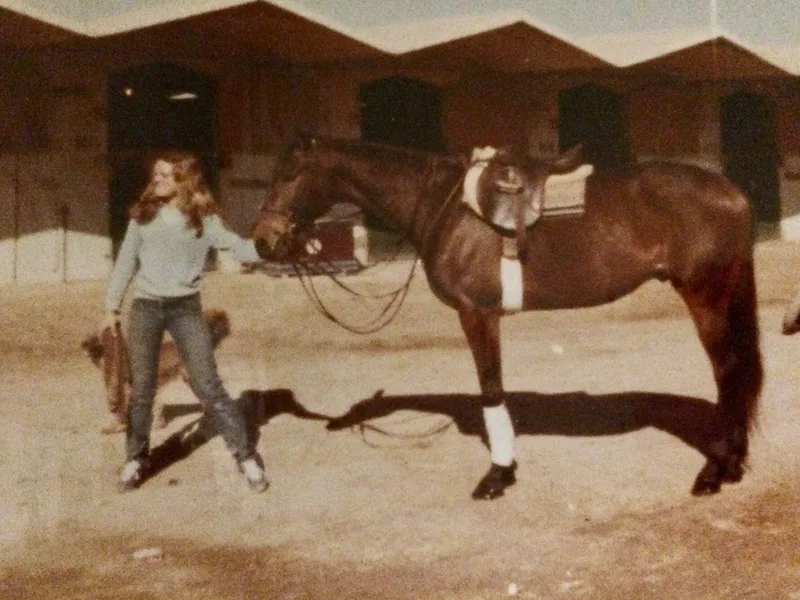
195	199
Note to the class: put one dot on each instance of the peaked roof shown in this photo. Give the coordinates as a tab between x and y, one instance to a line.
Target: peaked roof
690	38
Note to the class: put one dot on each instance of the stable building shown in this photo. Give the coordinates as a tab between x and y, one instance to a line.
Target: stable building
90	90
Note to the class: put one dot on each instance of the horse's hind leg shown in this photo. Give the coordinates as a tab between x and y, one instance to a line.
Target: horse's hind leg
483	334
724	311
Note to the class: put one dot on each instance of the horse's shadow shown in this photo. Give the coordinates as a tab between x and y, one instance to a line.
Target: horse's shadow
258	407
693	420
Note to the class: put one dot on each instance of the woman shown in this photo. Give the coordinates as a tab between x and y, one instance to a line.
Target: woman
173	225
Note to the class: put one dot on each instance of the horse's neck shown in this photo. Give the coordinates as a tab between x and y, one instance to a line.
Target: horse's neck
409	199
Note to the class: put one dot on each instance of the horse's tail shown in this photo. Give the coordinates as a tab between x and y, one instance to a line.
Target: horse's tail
726	315
740	402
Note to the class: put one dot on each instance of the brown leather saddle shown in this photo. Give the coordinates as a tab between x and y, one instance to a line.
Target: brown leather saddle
512	200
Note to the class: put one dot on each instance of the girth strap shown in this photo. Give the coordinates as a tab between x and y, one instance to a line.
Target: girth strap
511	276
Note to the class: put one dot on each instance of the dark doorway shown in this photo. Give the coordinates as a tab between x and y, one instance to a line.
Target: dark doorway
402	112
593	116
750	153
151	108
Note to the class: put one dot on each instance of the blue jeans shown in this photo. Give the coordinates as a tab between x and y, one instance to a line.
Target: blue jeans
183	319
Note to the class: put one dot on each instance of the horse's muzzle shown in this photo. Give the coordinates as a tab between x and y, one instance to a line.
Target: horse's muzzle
284	245
264	248
272	236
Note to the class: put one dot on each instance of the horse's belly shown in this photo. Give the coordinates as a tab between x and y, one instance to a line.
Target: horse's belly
579	288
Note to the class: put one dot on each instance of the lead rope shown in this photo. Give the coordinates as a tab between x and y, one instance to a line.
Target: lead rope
386	315
396	296
419	439
422	439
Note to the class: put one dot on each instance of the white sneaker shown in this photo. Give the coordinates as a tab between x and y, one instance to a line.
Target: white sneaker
254	475
131	476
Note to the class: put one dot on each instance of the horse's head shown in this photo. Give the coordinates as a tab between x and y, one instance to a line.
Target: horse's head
299	193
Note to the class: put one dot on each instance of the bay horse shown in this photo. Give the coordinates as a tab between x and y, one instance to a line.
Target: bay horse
664	221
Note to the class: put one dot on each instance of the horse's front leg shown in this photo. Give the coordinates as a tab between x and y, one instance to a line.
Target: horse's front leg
483	334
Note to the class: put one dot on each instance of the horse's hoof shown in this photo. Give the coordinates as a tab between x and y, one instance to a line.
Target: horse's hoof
705	487
495	482
734	471
709	480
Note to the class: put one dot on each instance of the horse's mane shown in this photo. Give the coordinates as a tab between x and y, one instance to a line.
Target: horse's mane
373	150
282	159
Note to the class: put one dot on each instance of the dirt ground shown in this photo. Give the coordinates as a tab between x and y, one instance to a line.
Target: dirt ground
607	401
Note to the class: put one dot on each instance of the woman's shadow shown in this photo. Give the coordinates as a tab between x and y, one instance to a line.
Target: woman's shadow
693	420
258	406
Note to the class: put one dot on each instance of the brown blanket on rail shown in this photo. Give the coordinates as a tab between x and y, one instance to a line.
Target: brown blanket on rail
109	353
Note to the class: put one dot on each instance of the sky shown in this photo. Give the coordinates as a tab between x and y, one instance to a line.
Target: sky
768	28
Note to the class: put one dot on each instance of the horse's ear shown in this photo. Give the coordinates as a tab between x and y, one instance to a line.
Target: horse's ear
569	160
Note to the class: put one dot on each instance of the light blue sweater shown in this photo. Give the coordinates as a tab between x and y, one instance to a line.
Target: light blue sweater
167	258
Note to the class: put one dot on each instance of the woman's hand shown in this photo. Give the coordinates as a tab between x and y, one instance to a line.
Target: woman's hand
110	321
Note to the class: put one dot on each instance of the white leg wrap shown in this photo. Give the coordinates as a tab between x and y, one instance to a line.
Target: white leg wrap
511	284
500	432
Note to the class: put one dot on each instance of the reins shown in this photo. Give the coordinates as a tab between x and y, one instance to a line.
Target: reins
396	297
385	316
435	220
420	439
404	437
